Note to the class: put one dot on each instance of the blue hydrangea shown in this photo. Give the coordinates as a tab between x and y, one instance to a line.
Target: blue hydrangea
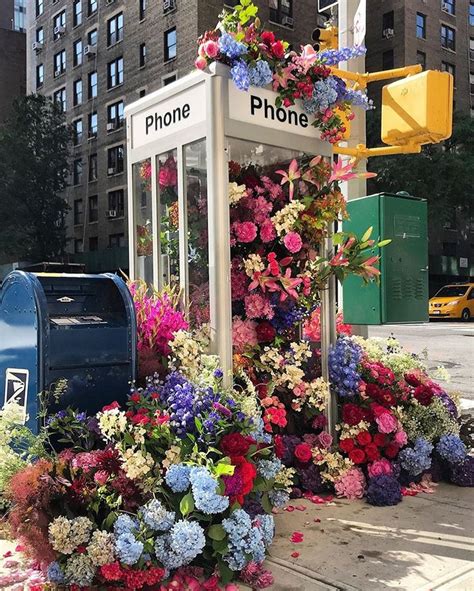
344	358
177	477
240	75
332	57
269	468
358	98
125	525
278	498
416	459
260	74
246	541
259	433
325	95
185	541
267	527
451	449
128	549
156	516
218	373
206	497
55	573
169	559
231	47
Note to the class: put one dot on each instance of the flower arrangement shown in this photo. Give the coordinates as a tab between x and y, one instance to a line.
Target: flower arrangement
257	58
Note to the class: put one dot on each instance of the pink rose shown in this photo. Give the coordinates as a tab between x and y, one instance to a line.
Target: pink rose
379	467
325	439
401	438
386	422
267	231
293	242
211	49
200	63
245	231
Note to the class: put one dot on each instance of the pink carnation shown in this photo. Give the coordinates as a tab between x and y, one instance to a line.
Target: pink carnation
261	209
401	438
267	231
257	306
274	190
386	422
293	242
244	334
351	484
245	231
379	467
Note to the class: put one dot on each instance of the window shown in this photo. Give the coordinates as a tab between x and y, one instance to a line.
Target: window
115	160
471	82
92	85
420	25
387	22
169	5
93	243
115	29
142	55
39	75
421	59
170	44
116	201
40	35
78	212
142	8
59	24
77	131
77	13
281	11
93	208
93	124
448	39
77	92
387	60
92	37
115	115
471	13
78	245
471	48
19	13
92	168
91	7
448	6
450	68
169	79
39	7
116	240
451	291
77	53
142	92
77	172
59	62
59	97
115	73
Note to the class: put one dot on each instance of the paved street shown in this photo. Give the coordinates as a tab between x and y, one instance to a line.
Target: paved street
450	344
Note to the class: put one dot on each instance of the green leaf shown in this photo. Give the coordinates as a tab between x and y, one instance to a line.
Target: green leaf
187	504
367	234
224	469
268	507
220	547
226	574
216	532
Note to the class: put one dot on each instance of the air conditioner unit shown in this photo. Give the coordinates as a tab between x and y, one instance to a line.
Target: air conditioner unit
37	46
59	30
57	73
112	213
111	126
90	50
169	5
111	170
387	33
445	6
287	21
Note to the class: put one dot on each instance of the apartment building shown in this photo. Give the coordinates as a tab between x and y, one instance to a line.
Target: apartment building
12	53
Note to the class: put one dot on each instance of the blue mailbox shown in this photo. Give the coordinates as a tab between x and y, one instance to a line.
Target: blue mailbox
80	328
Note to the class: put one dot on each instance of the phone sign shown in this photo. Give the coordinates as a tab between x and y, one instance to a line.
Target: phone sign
16	386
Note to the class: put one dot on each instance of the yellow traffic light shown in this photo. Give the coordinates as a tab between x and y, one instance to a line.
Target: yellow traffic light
418	109
325	38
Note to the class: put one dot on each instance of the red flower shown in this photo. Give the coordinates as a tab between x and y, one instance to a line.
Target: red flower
111	572
372	452
372	390
357	456
135	397
111	406
279	446
262	390
352	414
278	49
364	438
378	409
347	444
267	37
380	439
413	378
386	397
81	549
244	475
391	451
423	394
235	444
303	453
265	332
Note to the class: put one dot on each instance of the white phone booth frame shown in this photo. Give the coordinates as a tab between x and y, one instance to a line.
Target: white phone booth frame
207	106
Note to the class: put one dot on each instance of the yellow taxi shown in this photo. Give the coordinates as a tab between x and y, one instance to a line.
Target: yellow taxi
453	301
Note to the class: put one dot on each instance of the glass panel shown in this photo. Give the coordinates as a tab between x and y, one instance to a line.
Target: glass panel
167	182
143	209
197	220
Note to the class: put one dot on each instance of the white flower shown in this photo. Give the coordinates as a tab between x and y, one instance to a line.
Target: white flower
136	463
112	422
285	219
253	264
101	548
236	192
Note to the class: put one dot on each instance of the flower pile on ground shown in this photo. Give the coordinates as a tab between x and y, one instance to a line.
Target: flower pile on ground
178	485
257	58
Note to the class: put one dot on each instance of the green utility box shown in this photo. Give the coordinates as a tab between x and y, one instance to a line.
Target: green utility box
402	294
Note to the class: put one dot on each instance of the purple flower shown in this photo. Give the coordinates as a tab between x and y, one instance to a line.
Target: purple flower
462	474
384	490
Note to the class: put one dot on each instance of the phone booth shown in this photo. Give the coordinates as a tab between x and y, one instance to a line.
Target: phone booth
181	141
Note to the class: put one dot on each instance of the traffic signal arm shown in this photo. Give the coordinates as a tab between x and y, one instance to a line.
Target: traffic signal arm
363	79
362	151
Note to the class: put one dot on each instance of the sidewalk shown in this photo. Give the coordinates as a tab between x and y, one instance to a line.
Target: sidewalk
424	543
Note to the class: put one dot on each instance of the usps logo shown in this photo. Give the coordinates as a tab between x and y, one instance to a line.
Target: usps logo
16	386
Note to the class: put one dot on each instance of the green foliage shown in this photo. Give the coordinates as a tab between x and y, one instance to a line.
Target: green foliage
34	145
429	422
